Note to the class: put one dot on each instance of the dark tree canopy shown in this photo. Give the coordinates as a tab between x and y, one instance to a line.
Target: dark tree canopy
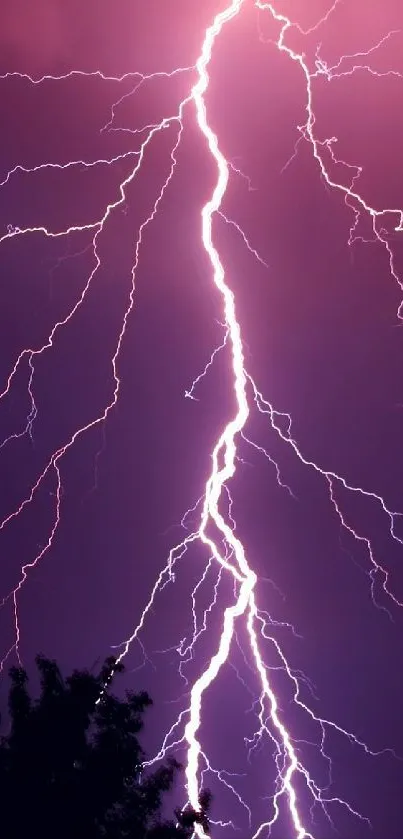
71	766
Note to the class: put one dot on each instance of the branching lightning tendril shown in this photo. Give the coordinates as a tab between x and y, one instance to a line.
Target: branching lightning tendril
216	530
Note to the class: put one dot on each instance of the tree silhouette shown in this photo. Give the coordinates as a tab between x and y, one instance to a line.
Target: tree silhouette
188	818
71	764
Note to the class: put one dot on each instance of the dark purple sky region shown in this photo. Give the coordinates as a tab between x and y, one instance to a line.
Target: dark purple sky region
317	289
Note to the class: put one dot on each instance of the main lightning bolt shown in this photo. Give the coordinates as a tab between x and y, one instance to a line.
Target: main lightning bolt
216	528
226	449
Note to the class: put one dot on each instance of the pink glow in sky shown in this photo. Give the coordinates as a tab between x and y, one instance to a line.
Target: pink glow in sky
207	203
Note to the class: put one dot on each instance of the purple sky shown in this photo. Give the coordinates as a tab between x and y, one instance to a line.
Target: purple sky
322	341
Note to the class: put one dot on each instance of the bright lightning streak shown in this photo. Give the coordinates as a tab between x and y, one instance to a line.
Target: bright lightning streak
216	531
219	476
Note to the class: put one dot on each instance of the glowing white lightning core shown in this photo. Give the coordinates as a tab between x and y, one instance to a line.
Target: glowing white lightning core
219	476
226	444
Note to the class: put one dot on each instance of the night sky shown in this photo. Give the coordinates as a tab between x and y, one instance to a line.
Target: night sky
318	308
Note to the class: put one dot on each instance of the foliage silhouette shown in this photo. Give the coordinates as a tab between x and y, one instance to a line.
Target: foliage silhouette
71	764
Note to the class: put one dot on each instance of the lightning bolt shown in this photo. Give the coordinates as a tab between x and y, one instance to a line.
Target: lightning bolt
215	529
